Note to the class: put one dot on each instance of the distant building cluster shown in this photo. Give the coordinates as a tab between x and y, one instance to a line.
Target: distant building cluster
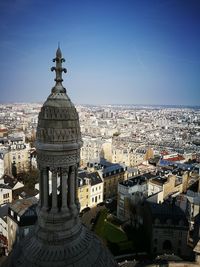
145	159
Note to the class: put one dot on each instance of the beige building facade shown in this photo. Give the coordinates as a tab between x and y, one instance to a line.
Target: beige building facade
5	194
90	189
112	175
83	193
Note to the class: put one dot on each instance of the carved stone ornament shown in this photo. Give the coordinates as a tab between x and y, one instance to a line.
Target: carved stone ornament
56	161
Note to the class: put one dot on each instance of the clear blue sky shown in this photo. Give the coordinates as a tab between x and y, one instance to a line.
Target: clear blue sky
129	52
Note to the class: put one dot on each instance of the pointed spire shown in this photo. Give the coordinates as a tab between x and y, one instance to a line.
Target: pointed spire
58	52
58	69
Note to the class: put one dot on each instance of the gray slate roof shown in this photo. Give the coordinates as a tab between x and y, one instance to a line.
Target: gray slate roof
20	206
166	211
92	176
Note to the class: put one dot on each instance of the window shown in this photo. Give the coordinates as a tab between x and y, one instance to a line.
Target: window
6	195
99	196
92	199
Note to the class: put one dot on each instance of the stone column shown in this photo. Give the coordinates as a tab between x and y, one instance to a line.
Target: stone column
45	191
40	190
54	190
76	188
64	189
72	187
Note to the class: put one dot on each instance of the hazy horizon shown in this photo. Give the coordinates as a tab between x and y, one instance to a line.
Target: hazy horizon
127	52
108	104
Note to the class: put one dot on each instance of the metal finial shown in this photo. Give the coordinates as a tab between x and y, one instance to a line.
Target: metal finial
58	69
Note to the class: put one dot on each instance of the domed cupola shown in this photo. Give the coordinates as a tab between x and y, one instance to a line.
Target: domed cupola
59	238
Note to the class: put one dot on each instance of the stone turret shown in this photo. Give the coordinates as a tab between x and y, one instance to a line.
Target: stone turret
59	239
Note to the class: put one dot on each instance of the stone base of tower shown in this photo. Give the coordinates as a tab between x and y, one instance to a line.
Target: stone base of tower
82	250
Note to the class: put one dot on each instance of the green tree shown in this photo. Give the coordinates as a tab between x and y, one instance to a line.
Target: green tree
30	178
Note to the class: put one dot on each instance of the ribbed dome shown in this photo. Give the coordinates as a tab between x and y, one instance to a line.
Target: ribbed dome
58	121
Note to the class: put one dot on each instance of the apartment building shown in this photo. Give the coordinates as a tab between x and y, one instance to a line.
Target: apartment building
90	189
127	189
21	218
111	176
91	149
19	156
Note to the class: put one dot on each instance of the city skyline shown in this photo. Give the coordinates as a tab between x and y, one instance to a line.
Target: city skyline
132	52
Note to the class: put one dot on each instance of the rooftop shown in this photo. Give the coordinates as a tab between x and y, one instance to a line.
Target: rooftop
168	162
113	167
94	177
140	179
4	186
159	181
24	192
9	181
20	206
166	211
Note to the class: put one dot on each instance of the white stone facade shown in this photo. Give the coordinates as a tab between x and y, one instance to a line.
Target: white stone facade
96	195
